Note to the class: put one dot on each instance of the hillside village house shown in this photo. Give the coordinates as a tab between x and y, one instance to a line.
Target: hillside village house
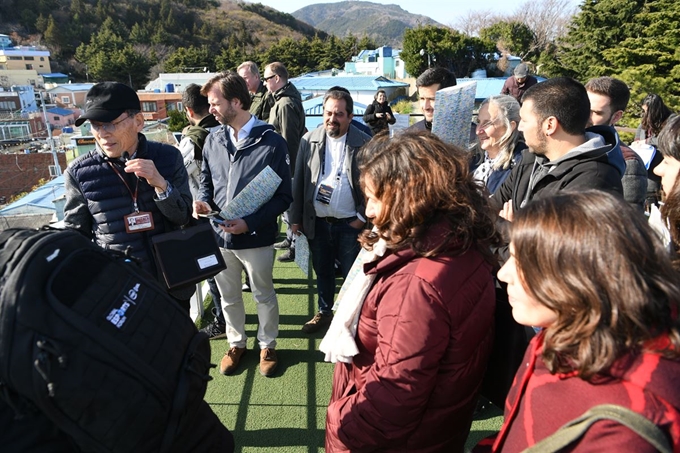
176	82
384	61
156	106
11	77
69	95
5	41
20	99
58	117
24	57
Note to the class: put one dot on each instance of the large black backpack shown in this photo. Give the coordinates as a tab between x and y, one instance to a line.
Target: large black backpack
91	342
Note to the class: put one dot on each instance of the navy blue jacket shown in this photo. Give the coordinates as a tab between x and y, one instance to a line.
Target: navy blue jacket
228	169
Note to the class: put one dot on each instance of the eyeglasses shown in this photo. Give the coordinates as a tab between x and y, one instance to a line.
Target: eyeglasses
487	124
264	79
108	127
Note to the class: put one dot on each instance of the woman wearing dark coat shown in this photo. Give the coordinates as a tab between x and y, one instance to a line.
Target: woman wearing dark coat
379	115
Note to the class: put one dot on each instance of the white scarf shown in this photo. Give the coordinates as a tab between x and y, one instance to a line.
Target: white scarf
338	344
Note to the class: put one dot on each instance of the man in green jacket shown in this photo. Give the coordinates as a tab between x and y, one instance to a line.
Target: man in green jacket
288	118
262	100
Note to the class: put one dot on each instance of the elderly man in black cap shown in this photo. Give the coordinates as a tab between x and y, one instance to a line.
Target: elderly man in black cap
519	82
127	189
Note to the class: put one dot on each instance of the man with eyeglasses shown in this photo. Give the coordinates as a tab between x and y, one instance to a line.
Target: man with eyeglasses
288	118
127	189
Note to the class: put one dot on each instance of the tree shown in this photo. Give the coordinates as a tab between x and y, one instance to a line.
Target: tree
601	25
109	57
633	40
191	59
472	22
510	38
547	19
427	46
649	59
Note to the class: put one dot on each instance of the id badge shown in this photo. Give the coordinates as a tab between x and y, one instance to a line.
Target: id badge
138	222
324	194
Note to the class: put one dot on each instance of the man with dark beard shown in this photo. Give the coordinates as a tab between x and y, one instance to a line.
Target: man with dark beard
328	204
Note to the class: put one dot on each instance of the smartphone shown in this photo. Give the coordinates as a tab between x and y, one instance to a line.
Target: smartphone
218	220
210	214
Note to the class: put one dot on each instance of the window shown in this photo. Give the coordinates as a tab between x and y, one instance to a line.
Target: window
6	105
15	58
29	58
56	118
42	58
148	107
65	99
29	66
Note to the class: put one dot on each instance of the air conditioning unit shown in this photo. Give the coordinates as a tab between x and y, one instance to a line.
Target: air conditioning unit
54	171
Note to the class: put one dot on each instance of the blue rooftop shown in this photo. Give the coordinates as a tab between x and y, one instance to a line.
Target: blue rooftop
54	75
60	111
73	86
39	201
352	83
489	86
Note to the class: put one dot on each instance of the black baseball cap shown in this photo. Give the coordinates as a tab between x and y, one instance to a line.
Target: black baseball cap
106	101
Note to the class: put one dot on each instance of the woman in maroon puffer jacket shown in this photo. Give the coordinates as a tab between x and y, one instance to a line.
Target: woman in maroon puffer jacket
588	269
425	328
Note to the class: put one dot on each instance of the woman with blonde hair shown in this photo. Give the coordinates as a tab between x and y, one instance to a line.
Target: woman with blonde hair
588	269
414	326
499	140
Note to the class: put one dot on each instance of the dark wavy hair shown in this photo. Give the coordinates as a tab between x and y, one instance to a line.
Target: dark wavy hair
656	115
421	182
669	144
595	262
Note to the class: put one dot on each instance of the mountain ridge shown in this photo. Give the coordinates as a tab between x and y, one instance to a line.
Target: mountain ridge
385	24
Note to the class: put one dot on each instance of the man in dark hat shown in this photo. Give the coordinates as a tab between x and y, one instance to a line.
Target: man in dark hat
127	189
519	82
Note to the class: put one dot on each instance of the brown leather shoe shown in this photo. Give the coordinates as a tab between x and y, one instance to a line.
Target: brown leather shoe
231	359
319	321
268	362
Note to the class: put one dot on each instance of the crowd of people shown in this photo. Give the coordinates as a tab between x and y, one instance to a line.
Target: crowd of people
546	216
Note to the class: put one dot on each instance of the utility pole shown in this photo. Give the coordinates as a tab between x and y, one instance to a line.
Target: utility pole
57	170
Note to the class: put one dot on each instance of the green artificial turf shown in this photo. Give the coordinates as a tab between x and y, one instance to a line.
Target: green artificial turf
287	412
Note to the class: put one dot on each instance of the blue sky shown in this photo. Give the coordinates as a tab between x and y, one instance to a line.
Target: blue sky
443	11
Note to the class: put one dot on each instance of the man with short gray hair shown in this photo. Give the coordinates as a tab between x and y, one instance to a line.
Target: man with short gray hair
261	100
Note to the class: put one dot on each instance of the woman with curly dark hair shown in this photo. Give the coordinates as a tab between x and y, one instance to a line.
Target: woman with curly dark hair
588	269
414	327
669	170
655	115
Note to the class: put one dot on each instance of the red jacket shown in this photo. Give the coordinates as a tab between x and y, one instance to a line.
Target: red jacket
424	337
539	403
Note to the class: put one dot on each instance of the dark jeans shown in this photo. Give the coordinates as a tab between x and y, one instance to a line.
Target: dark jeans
217	299
332	241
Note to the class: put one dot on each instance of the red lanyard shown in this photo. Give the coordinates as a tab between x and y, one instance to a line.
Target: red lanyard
133	195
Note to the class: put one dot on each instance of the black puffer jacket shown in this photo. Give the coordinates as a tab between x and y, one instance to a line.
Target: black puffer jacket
97	200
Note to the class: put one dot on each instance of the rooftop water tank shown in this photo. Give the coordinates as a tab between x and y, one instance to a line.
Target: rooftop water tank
169	88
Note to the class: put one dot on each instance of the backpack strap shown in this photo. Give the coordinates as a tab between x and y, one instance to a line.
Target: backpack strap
575	429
